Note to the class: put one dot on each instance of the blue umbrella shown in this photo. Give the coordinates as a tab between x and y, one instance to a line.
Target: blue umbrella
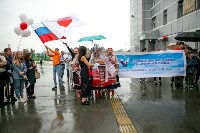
91	38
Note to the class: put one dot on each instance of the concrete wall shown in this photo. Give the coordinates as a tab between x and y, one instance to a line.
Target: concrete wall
189	22
135	24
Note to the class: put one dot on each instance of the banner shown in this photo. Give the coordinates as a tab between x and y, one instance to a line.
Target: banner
152	64
111	68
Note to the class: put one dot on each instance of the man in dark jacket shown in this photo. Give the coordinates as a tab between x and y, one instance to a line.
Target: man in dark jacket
73	53
2	80
143	79
9	69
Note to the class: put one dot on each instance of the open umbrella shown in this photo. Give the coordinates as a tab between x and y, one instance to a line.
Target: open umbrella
188	36
91	38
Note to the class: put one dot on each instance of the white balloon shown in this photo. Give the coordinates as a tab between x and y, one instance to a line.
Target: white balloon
29	21
22	17
26	33
17	30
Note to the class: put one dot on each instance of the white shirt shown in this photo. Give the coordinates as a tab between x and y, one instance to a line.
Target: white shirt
68	63
2	68
62	58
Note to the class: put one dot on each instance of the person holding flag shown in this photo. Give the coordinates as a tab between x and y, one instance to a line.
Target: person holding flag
56	66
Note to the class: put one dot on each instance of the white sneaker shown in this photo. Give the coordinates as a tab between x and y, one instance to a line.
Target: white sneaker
22	100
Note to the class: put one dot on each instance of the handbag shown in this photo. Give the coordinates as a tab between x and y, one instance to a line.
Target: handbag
37	74
89	72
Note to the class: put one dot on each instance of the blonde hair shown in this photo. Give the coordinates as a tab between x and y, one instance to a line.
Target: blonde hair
16	59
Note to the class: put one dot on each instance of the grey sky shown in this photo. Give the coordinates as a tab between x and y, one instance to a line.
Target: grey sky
107	17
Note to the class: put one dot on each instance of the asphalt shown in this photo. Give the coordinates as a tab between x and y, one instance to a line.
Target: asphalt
57	112
161	108
152	109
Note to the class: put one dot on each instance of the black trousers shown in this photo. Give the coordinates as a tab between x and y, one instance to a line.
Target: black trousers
2	81
30	90
158	78
11	88
172	79
40	63
197	75
67	75
85	83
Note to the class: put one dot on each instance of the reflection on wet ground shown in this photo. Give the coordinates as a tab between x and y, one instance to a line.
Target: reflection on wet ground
20	118
161	108
57	112
153	109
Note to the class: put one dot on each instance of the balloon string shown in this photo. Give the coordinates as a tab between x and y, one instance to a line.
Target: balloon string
20	41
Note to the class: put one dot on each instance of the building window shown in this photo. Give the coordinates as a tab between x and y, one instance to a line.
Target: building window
165	17
180	8
198	4
154	2
153	22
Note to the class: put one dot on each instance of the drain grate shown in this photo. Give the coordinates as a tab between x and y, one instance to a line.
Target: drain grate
125	123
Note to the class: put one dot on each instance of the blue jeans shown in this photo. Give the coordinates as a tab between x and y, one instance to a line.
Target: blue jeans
56	69
62	69
19	87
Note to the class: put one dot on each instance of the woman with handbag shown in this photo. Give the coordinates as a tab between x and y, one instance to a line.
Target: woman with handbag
85	83
31	68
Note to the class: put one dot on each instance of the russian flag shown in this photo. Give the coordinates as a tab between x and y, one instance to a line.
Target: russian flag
43	32
55	29
60	26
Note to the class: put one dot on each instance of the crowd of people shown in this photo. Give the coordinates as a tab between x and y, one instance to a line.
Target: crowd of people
192	68
87	72
16	73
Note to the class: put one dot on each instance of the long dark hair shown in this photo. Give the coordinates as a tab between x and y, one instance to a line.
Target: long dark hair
27	57
82	51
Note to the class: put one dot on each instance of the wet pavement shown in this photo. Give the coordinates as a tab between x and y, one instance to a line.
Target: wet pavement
152	108
57	112
161	108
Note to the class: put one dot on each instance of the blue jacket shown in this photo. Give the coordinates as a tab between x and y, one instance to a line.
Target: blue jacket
17	69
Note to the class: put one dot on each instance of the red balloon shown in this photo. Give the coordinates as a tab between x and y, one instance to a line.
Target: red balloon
23	25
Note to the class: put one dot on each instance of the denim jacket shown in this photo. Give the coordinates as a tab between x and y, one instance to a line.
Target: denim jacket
17	69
